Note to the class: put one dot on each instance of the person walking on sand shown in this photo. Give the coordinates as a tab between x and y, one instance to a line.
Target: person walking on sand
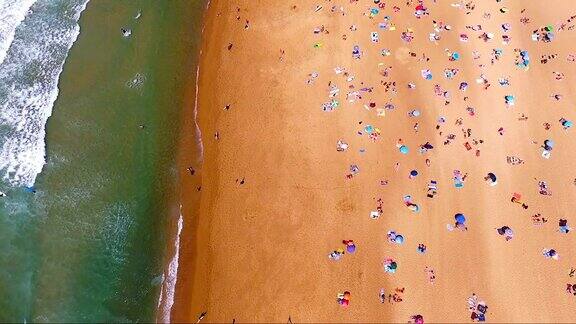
382	296
201	317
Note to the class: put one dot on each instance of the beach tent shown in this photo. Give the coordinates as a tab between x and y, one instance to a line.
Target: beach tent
492	176
491	179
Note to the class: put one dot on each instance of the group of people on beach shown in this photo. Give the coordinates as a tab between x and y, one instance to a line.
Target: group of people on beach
382	13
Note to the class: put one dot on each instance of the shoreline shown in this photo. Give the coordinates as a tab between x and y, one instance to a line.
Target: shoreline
190	195
189	155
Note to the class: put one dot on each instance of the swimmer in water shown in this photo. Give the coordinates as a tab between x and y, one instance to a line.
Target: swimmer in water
126	32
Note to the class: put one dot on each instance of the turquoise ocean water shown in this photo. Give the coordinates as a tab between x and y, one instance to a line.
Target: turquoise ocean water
89	123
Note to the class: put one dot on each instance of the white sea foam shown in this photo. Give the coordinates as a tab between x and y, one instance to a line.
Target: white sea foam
169	285
29	75
198	131
161	298
12	12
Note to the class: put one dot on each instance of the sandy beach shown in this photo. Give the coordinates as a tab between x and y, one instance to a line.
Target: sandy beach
274	197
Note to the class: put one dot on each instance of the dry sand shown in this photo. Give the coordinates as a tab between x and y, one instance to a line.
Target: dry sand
258	251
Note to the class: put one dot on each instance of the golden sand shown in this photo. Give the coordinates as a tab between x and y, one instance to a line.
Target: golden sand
275	199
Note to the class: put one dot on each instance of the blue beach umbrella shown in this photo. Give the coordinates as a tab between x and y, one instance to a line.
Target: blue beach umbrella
369	129
403	149
460	218
351	248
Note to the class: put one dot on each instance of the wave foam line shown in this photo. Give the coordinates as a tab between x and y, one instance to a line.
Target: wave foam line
12	13
198	131
29	76
169	285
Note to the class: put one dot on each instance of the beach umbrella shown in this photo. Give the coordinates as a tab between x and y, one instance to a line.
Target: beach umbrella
567	123
399	239
460	218
369	129
393	265
413	207
455	56
351	248
403	149
413	173
415	113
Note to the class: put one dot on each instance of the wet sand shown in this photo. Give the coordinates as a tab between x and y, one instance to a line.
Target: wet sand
258	250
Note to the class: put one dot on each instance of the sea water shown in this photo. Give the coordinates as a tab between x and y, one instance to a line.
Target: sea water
89	123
